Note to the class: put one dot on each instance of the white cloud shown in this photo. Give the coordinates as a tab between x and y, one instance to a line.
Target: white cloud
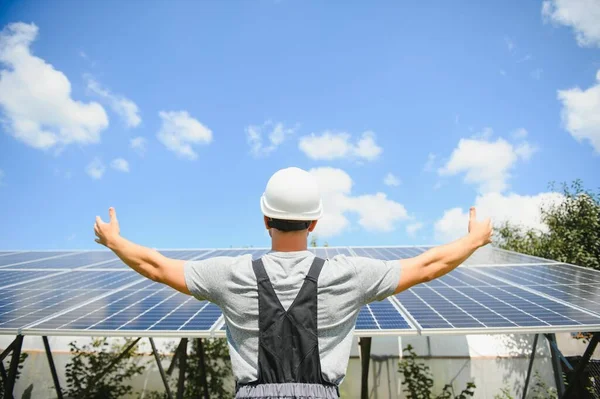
95	169
430	162
329	146
277	133
412	228
581	112
120	164
520	134
522	210
375	212
138	144
581	15
36	98
179	131
525	150
391	180
485	163
127	109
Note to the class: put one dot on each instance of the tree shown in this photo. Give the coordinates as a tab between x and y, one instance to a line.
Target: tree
88	361
219	374
573	234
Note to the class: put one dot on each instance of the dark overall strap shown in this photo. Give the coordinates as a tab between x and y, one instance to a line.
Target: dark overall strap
288	340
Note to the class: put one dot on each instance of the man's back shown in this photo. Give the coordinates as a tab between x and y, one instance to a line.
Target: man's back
344	285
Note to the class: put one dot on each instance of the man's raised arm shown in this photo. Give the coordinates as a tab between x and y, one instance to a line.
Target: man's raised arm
440	260
148	262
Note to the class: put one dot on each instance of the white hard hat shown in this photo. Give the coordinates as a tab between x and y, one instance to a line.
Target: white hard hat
292	194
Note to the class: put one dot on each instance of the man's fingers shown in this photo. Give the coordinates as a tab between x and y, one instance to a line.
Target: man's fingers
112	214
472	213
98	241
99	220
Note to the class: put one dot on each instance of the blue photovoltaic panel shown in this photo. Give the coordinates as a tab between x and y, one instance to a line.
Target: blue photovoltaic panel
489	255
184	254
487	304
330	252
545	274
26	303
11	277
21	257
388	253
138	309
71	261
570	284
381	315
82	279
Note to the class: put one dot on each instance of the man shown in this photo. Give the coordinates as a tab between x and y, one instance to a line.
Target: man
290	316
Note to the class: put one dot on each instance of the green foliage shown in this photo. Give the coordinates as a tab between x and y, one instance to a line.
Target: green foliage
218	369
537	390
573	234
418	382
22	359
313	241
93	358
218	372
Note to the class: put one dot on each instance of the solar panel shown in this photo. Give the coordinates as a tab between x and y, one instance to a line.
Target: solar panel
70	261
141	310
466	300
23	257
15	277
93	292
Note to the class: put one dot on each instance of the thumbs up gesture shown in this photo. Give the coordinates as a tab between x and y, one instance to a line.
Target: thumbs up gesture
107	233
481	231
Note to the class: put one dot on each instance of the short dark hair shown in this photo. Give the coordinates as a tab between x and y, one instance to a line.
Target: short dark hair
288	225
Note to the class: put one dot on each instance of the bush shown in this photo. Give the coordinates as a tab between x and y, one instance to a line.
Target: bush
91	359
418	382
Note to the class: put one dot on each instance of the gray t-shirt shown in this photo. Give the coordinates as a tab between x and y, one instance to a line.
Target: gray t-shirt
345	285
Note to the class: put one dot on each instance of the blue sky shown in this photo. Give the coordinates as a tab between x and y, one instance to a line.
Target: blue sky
176	113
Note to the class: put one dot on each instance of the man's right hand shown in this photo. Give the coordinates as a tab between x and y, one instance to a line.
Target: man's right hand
480	231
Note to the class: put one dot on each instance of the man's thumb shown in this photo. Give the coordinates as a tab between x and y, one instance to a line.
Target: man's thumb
472	214
112	214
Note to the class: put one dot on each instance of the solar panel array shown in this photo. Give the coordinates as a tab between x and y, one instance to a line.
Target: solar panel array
94	293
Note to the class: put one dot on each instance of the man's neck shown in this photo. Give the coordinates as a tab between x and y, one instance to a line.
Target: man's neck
289	243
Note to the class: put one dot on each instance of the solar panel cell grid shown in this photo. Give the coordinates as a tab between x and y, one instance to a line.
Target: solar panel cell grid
70	261
11	277
21	257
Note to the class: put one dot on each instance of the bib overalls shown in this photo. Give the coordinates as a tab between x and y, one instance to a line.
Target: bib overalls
289	365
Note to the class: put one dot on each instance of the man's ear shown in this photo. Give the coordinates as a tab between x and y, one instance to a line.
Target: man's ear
266	220
312	226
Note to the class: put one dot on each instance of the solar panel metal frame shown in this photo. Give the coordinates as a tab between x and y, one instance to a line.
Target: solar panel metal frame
216	329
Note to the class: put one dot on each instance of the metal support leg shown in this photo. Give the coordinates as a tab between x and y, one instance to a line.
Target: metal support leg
52	368
531	359
182	366
174	359
14	367
575	379
556	367
160	369
101	375
4	375
365	357
203	368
